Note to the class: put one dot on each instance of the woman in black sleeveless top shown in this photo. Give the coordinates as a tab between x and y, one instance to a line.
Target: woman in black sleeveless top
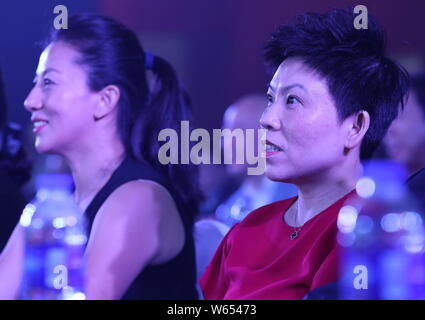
91	103
171	280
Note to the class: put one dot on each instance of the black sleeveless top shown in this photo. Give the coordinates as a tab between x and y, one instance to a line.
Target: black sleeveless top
172	280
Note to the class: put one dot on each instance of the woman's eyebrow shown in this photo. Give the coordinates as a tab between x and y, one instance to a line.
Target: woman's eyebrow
294	85
44	73
47	71
285	89
270	87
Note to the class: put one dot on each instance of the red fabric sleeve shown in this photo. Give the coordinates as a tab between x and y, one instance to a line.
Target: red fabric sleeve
214	281
327	272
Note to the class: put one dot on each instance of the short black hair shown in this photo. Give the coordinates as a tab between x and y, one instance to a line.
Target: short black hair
353	62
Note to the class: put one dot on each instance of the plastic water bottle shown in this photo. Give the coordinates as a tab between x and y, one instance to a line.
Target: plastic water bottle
55	232
382	238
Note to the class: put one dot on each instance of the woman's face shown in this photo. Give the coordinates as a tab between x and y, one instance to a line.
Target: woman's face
61	104
305	139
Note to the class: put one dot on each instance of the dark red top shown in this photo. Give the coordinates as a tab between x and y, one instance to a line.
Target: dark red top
258	260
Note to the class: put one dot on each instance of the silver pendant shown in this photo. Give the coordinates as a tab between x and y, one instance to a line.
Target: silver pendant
294	234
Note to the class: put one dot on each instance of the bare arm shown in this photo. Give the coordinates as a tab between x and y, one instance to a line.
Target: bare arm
137	225
11	265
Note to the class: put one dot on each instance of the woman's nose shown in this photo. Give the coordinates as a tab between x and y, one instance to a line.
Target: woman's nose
269	119
33	100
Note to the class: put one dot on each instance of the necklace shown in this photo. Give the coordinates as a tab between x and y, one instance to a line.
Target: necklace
297	230
295	233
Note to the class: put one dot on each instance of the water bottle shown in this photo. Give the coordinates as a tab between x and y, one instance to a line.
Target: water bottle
55	240
382	239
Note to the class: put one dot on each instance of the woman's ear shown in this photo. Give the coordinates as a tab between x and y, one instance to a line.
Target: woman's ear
358	125
108	100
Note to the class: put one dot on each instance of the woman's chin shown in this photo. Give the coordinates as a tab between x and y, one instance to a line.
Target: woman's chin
42	147
275	175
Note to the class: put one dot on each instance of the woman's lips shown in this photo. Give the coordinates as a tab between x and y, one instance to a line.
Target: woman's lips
38	126
271	153
272	149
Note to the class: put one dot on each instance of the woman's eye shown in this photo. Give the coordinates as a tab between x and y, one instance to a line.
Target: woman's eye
269	99
47	82
292	100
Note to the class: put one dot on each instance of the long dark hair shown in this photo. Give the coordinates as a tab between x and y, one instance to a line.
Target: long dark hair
112	54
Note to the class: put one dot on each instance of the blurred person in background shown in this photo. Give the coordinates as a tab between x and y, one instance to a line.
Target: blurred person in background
14	172
255	190
405	140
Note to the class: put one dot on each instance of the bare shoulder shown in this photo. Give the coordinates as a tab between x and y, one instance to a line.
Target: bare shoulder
141	194
143	207
130	232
